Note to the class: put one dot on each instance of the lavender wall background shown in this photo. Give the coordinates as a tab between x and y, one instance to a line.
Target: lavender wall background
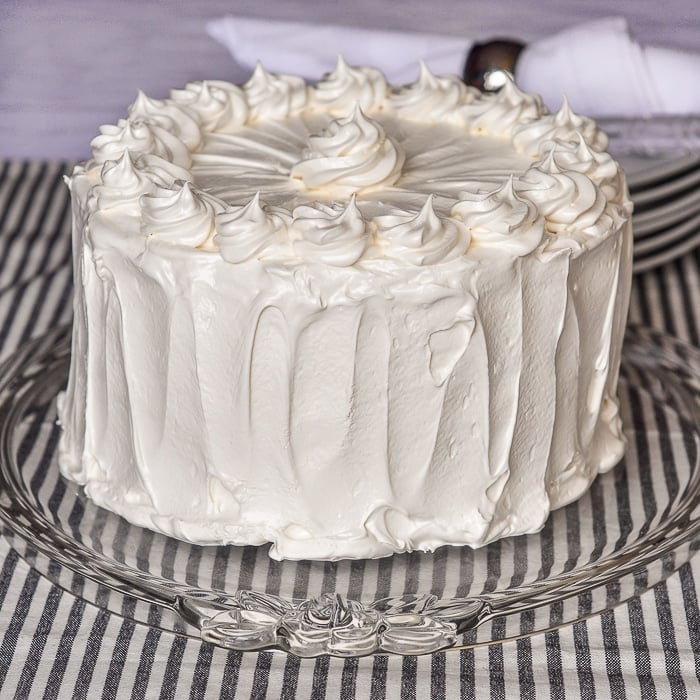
68	66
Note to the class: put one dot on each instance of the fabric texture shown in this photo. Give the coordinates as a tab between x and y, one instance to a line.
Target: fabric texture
598	64
55	645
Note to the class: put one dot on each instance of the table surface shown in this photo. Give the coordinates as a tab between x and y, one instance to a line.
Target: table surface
53	93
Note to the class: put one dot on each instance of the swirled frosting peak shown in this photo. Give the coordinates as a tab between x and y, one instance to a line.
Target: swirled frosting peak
245	232
330	233
339	90
532	137
184	215
501	219
274	96
139	136
566	198
423	238
499	112
168	115
431	97
567	124
122	185
351	154
219	106
577	155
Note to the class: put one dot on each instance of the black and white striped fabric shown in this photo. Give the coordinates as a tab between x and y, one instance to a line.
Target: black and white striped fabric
54	644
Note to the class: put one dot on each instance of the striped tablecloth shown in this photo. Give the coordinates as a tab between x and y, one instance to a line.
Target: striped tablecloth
55	645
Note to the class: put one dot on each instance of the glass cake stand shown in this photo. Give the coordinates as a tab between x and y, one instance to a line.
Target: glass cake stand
636	525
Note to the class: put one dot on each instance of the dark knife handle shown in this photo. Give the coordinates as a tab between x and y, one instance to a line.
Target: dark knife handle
487	62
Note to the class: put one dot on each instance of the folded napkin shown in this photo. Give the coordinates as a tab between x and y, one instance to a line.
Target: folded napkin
598	65
311	50
604	71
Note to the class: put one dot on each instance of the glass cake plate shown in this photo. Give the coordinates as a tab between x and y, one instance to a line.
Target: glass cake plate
636	525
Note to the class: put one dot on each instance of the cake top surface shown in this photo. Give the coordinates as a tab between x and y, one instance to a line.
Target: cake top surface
352	170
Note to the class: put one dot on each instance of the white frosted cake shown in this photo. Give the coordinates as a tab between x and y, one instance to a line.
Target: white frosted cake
347	318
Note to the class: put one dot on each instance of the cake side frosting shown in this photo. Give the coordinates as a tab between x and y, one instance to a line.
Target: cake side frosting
348	319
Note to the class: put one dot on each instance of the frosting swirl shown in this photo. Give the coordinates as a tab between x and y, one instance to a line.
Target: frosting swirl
497	113
161	171
564	125
331	234
138	136
431	97
423	238
346	85
567	199
184	215
122	185
597	165
169	116
353	153
245	232
219	106
274	96
501	219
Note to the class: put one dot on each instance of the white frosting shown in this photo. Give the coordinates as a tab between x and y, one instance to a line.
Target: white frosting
182	215
162	172
272	96
502	220
351	154
569	200
531	136
139	136
334	235
122	186
339	91
499	113
431	97
363	320
249	231
218	105
423	238
168	115
577	156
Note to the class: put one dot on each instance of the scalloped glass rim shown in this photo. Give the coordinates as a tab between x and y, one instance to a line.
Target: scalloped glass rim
660	373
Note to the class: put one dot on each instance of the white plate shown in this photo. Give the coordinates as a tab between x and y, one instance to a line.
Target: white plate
643	263
649	222
667	237
671	188
644	172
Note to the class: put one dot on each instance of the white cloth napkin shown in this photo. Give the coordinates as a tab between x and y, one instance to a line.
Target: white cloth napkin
311	50
604	71
598	65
